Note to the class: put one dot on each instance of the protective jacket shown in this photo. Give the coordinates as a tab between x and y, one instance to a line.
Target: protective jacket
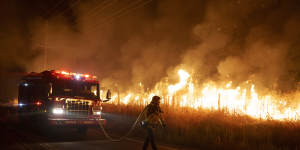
153	115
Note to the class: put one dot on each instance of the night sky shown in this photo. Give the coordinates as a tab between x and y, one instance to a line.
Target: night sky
125	42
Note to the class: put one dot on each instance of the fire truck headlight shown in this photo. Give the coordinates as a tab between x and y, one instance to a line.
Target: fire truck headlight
77	77
97	113
21	104
58	111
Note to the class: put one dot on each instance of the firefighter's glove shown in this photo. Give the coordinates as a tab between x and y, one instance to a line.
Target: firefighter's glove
143	124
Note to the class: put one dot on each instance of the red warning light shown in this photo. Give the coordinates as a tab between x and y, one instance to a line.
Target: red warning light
38	103
76	76
65	73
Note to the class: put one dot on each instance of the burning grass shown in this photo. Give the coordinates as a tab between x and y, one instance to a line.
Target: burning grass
217	115
242	99
208	129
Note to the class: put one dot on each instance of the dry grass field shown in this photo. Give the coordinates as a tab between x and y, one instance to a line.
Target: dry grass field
202	129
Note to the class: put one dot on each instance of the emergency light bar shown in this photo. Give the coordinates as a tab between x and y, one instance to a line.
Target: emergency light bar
76	76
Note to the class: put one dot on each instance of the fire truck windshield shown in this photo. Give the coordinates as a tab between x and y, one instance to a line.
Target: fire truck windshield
76	89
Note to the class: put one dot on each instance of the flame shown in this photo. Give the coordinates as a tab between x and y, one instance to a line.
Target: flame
183	81
127	98
243	100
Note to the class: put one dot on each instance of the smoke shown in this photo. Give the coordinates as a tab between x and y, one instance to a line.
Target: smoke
127	42
122	42
247	40
15	51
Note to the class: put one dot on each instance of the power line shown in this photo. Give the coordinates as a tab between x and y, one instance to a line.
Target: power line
92	12
99	8
73	4
96	11
47	15
132	9
120	13
105	4
113	9
102	6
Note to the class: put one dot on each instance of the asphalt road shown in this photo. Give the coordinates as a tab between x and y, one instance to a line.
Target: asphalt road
14	136
98	145
73	142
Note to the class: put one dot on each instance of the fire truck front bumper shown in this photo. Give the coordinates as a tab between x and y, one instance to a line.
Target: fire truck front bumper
76	122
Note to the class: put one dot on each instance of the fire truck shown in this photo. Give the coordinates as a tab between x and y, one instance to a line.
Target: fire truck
60	98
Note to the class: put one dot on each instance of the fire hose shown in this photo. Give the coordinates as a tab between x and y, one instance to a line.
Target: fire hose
127	134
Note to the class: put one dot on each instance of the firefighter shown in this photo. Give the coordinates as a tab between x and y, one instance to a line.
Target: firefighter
153	119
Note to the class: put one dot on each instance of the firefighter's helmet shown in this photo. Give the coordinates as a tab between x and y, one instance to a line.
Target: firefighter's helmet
155	99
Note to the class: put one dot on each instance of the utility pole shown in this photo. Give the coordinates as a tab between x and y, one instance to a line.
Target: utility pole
45	46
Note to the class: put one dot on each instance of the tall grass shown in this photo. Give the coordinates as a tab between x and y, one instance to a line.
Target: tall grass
204	129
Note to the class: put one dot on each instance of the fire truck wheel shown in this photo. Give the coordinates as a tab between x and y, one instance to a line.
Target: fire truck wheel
82	130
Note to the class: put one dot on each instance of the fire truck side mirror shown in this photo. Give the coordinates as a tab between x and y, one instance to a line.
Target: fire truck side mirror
108	95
